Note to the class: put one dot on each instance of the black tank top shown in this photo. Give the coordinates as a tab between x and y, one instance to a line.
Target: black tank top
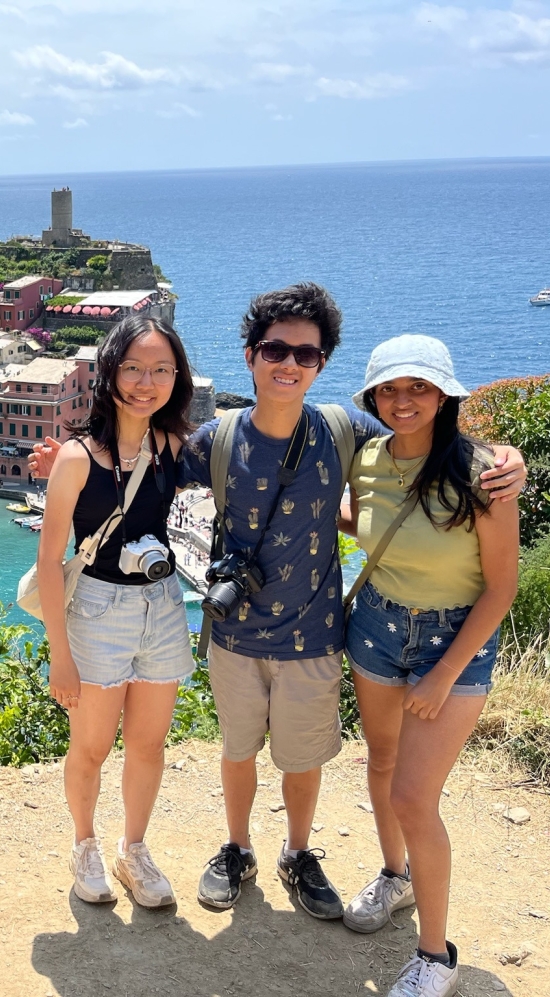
98	500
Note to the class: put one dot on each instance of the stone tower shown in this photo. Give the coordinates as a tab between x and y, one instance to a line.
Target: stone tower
61	232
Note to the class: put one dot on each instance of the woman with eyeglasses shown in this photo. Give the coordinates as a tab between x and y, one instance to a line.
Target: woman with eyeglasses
423	634
122	647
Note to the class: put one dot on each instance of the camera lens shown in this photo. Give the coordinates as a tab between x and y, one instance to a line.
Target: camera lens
154	565
222	599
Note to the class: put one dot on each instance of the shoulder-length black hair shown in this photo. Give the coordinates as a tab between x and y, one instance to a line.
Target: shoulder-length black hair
454	459
101	423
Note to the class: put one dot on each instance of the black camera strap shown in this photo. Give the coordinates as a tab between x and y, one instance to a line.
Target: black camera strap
286	472
285	476
160	479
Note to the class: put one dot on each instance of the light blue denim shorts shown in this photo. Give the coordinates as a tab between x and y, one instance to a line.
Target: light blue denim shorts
393	645
129	633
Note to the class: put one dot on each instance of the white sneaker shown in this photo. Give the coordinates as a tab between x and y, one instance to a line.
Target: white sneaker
422	978
372	908
91	879
136	869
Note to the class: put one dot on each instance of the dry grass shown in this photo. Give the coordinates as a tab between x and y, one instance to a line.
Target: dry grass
514	728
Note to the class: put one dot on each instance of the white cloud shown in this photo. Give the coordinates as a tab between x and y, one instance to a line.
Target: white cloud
369	88
15	118
115	72
511	37
77	123
177	110
278	72
10	11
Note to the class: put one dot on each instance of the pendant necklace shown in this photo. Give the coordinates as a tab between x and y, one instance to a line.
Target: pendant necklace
130	461
401	474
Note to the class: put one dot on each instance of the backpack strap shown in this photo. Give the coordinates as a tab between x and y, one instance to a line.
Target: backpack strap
220	456
342	433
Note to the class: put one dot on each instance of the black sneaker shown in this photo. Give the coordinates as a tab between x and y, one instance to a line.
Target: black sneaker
315	892
220	883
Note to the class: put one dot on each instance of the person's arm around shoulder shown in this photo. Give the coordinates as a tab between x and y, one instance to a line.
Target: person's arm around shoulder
505	480
67	480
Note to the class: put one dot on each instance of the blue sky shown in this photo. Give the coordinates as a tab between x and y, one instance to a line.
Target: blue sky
93	85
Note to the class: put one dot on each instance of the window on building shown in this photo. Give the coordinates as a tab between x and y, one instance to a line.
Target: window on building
38	432
90	384
74	402
1	406
91	367
31	312
44	389
12	429
57	432
7	295
21	315
3	468
57	411
49	289
20	349
17	294
24	430
41	289
14	409
16	471
2	432
90	403
25	410
80	403
29	387
39	410
7	316
74	383
62	387
18	387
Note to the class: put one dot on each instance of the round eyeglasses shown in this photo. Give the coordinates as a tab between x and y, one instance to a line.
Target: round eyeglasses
133	372
275	351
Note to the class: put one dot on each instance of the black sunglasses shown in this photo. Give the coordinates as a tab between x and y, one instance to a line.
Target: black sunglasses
275	351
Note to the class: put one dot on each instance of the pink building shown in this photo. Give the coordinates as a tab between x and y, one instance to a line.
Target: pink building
36	402
21	301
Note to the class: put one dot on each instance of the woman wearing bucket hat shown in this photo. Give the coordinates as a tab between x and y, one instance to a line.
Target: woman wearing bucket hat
422	635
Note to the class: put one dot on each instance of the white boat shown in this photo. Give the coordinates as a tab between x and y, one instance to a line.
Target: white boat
26	521
36	502
542	298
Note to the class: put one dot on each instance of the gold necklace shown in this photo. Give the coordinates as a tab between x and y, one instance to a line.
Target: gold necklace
401	474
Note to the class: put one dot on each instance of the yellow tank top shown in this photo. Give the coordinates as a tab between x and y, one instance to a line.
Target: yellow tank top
423	566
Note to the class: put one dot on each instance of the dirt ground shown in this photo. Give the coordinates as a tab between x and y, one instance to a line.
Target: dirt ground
54	945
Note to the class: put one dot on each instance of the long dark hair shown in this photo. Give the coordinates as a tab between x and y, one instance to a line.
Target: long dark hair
450	462
101	423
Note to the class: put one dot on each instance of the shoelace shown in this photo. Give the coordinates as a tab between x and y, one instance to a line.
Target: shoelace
228	860
379	891
145	867
413	975
308	865
91	861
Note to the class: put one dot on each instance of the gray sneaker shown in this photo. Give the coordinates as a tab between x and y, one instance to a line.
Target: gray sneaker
373	907
220	883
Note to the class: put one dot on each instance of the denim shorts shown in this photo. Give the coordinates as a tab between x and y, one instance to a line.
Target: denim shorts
129	633
394	645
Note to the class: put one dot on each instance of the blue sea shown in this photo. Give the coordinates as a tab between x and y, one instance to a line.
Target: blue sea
453	249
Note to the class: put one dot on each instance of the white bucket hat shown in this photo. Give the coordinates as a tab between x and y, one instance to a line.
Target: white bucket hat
411	356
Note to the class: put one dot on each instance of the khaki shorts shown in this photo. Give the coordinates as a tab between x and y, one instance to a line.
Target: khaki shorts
296	701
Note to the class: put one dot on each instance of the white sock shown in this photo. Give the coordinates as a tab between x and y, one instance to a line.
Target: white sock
291	853
245	851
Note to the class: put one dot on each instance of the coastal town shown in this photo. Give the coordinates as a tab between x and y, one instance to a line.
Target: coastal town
50	331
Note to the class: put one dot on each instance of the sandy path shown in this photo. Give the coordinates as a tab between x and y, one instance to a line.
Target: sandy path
53	945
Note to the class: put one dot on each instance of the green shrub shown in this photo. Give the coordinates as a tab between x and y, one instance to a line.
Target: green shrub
64	299
529	617
83	335
98	263
517	411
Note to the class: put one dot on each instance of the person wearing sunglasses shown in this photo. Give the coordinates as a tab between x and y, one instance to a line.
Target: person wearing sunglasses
275	663
121	648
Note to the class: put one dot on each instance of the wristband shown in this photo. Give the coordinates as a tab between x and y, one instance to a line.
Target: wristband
452	667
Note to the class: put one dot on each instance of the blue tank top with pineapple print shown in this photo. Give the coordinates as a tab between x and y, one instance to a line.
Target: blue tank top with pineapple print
298	613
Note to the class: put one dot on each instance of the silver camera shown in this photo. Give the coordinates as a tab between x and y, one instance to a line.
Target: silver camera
147	555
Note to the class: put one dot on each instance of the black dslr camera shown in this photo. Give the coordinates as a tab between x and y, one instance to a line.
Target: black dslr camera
232	578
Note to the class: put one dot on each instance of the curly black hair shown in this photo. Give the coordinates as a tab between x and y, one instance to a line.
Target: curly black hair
299	301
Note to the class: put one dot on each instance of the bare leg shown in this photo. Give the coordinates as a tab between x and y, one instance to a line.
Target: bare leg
146	720
239	783
93	730
300	792
381	708
427	751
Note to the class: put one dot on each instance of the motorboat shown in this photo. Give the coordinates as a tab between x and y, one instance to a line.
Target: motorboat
19	507
25	522
542	298
36	502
